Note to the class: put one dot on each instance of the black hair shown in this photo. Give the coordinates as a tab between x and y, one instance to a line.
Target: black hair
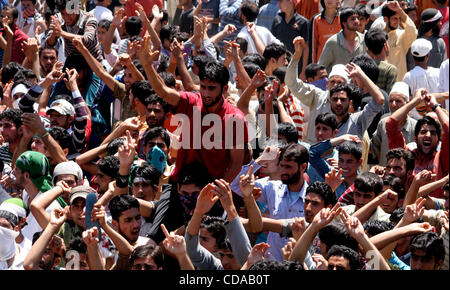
401	153
295	152
141	90
250	10
195	173
312	69
446	186
113	146
427	120
215	72
324	191
396	184
78	62
327	119
368	66
147	171
45	46
352	148
288	131
109	165
345	14
431	243
280	73
361	9
387	12
216	226
243	44
375	227
104	23
157	132
164	62
274	265
397	215
15	12
337	234
250	68
168	78
168	32
256	59
413	7
369	182
121	203
77	244
148	250
273	50
10	70
354	93
133	26
14	115
62	138
375	39
353	257
202	60
155	99
419	58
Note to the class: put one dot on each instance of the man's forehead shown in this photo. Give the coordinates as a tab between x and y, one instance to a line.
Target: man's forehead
312	196
396	161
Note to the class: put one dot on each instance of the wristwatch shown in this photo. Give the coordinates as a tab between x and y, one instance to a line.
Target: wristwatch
433	108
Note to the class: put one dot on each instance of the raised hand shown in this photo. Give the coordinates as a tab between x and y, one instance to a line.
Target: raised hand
118	18
78	43
229	29
7	97
394	6
325	216
90	237
98	214
419	228
387	197
55	25
258	253
174	244
269	154
8	30
286	251
177	48
57	217
222	189
57	246
205	200
65	189
355	73
145	53
156	13
298	227
334	179
71	80
414	211
251	28
259	78
321	262
125	59
33	121
424	177
30	47
247	182
378	170
299	45
353	225
127	151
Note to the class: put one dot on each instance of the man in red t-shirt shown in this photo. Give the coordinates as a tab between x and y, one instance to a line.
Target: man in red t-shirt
220	142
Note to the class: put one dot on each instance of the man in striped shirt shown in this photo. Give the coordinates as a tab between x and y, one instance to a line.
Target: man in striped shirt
72	22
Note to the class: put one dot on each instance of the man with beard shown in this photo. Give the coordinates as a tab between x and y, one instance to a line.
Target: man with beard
399	40
427	136
108	168
346	44
285	198
229	122
48	56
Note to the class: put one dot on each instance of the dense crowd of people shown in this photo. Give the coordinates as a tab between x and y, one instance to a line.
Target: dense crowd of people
224	135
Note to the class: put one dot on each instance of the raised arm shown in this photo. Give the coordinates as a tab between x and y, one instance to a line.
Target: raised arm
260	47
90	238
247	184
364	82
177	52
109	36
147	57
243	103
240	70
363	214
176	246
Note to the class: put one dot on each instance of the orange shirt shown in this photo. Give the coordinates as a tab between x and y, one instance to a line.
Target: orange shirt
322	30
307	8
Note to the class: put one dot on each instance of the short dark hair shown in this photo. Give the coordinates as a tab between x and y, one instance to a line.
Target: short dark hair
375	227
155	99
113	146
280	73
256	58
109	165
216	226
345	14
195	173
401	153
312	69
396	184
62	138
141	90
133	26
324	191
397	215
295	152
147	171
45	46
77	244
274	265
274	50
361	9
353	92
352	148
375	39
250	10
369	182
289	131
10	70
104	23
387	12
201	60
148	250
337	234
327	119
77	62
14	115
121	203
353	257
427	120
250	68
243	44
157	132
368	66
431	243
168	78
215	72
